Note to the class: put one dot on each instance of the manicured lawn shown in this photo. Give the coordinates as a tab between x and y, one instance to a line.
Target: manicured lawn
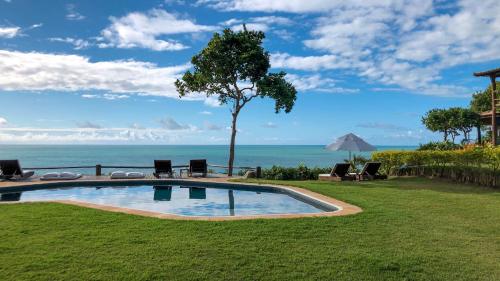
411	229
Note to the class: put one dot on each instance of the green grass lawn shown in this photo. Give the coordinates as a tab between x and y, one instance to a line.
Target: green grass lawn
411	229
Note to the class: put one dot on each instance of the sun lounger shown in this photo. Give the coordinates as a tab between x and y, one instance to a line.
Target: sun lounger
163	168
340	172
126	175
370	172
60	176
199	167
11	170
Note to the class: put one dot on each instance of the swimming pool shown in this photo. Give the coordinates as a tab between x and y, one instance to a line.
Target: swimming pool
183	199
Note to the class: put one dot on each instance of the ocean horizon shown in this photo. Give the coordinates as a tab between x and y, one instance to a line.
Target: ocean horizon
50	155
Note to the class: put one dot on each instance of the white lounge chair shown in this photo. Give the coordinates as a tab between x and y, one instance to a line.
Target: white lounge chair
126	175
60	176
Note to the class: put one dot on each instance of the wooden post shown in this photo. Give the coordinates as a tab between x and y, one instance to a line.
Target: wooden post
258	172
493	110
478	134
98	170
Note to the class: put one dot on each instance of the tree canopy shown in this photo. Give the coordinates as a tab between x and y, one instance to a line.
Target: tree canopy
481	100
234	68
451	122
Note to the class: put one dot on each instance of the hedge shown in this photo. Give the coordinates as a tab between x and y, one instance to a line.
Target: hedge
301	172
471	165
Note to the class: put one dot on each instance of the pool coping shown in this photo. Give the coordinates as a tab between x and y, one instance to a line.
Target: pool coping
343	208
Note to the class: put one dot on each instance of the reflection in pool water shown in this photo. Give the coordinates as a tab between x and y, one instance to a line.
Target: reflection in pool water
180	200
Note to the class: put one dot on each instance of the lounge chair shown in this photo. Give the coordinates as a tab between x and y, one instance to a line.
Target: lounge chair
60	176
126	175
370	172
198	166
11	170
163	167
340	172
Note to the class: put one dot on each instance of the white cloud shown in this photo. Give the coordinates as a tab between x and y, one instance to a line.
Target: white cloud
3	121
72	14
401	43
212	101
317	83
270	125
77	43
309	63
115	96
251	26
170	124
97	135
41	72
470	35
143	30
294	6
90	132
264	23
212	127
90	96
36	25
9	32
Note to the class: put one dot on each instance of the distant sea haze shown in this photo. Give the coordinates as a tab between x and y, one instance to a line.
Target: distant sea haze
143	155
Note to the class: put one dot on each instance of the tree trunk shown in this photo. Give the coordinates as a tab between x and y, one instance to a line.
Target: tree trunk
231	146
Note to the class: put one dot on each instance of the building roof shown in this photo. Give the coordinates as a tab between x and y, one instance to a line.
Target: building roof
491	73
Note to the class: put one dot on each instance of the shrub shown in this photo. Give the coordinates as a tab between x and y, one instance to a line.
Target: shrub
301	172
471	163
439	145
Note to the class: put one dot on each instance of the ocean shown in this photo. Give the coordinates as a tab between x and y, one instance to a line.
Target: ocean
143	155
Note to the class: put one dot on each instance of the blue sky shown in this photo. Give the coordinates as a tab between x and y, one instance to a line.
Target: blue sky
103	71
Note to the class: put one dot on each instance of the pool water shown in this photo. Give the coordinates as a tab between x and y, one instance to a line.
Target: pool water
181	200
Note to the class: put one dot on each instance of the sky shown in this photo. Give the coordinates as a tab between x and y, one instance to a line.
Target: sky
102	72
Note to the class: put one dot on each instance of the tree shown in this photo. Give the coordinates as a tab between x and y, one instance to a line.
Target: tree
436	120
481	100
467	120
453	121
234	68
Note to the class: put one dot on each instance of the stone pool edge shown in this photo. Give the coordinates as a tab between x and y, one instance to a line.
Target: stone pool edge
344	208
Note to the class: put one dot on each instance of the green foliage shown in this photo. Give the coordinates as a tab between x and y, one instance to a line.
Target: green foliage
439	145
483	160
234	68
481	100
437	120
358	162
466	120
451	122
301	172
